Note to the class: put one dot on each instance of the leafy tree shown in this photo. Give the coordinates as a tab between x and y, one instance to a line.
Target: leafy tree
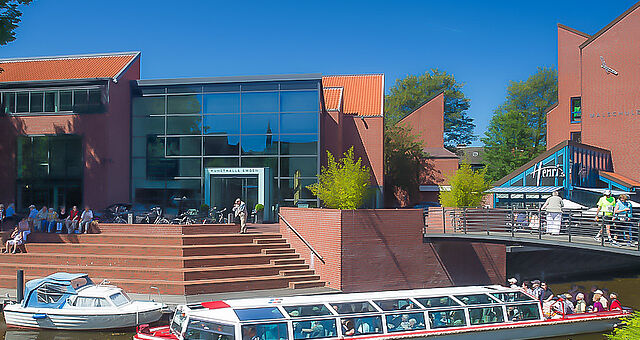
9	19
342	184
467	188
517	131
630	328
408	93
403	161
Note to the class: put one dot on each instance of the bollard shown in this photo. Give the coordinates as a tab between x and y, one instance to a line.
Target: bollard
20	285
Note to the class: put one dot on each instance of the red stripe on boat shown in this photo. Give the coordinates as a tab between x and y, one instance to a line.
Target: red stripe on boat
215	304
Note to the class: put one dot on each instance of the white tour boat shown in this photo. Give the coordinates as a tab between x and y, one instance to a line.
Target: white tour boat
72	302
481	312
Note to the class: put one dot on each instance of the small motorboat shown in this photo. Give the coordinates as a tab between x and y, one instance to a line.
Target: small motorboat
73	302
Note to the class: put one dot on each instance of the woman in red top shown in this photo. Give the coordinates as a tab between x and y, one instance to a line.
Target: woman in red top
72	220
615	304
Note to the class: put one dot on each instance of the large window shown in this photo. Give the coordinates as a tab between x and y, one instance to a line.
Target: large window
81	100
576	109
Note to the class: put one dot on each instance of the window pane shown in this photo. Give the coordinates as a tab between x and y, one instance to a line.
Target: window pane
523	312
189	167
222	145
299	123
155	146
207	330
185	125
353	307
143	106
50	102
95	102
274	331
314	329
222	103
37	102
512	296
447	318
222	162
292	188
307	310
66	101
260	162
260	102
142	126
184	89
259	86
222	88
184	104
291	101
8	102
259	145
184	146
260	123
475	299
395	304
405	322
442	301
300	166
222	124
264	313
361	326
22	102
300	85
24	157
486	315
161	168
80	101
299	144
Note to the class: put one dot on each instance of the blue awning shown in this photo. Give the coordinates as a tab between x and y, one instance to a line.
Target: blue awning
601	191
523	190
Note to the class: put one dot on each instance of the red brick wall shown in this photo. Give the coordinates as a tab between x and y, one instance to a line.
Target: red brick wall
428	122
383	249
366	137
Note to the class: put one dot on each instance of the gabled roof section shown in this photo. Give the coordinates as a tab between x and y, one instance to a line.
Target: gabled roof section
362	94
90	66
333	98
611	24
423	104
573	30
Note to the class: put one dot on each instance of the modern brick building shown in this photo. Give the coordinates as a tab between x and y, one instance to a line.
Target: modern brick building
86	130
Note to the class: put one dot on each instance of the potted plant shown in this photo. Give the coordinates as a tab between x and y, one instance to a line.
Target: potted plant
259	213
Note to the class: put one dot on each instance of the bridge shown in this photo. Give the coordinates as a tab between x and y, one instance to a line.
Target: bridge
529	227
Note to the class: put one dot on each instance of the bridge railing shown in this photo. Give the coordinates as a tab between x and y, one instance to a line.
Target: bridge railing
572	225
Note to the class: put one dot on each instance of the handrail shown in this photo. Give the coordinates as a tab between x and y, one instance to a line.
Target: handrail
302	238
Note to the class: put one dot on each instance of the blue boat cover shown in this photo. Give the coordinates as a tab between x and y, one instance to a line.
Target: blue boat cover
52	291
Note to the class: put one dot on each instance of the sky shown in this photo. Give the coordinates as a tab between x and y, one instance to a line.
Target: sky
484	44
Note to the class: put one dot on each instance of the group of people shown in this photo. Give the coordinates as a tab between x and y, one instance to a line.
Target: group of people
575	301
45	220
617	213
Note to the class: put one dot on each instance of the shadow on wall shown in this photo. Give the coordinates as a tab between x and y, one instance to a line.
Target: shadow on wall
462	263
10	128
397	197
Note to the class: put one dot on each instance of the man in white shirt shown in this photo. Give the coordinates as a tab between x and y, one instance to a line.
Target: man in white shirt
85	220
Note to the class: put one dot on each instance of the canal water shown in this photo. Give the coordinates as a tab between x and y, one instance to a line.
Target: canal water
625	286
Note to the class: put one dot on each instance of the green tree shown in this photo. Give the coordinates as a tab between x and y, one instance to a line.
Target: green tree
630	328
408	93
517	131
9	19
403	161
467	188
342	184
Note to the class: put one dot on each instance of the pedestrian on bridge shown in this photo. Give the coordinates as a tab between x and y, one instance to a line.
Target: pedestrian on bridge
606	204
553	207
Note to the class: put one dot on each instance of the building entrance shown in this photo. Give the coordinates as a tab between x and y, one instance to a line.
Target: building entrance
224	185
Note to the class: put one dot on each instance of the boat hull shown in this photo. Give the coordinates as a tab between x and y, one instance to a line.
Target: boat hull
57	319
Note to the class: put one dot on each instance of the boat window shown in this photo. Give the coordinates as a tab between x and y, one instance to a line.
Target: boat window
272	331
512	296
475	299
50	292
206	330
119	299
485	315
91	302
81	282
405	322
396	304
264	313
353	307
361	326
307	310
442	301
314	329
523	312
178	320
447	318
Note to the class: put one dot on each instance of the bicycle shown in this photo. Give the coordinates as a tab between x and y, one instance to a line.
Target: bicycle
155	217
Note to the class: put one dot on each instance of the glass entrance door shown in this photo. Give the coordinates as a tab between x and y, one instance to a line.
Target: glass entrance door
225	189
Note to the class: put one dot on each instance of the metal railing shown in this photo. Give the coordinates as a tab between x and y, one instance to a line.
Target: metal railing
313	251
572	225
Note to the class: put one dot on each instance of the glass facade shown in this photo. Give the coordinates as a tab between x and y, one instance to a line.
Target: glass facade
88	99
178	131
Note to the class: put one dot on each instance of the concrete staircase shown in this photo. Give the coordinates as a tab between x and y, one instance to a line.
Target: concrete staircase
180	260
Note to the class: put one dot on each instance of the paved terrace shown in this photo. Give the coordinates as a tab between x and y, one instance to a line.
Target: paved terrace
529	227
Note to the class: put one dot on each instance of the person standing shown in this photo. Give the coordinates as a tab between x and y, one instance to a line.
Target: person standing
553	207
623	213
240	211
606	204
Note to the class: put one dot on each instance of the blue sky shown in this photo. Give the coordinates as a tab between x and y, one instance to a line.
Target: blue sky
485	44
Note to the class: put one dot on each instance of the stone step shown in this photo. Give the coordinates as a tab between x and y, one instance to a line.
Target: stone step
140	239
295	260
306	284
168	229
269	240
279	250
302	270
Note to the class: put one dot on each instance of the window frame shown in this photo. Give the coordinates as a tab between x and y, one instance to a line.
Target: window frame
572	117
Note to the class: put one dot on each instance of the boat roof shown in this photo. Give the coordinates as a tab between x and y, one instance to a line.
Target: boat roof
55	287
98	291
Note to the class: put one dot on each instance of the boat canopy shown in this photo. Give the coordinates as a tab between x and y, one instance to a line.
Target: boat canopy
52	291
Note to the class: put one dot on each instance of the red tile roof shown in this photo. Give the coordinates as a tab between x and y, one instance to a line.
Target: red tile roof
626	181
362	94
65	67
333	98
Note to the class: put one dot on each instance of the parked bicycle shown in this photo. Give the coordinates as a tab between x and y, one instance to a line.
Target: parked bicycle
188	217
154	216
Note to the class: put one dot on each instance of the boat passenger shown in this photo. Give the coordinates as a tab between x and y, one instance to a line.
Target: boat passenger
597	304
546	295
250	333
615	304
603	300
348	327
513	313
536	289
513	283
316	330
581	305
